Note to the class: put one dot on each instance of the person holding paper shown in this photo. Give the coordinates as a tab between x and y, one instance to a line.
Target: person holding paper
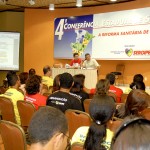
90	63
76	62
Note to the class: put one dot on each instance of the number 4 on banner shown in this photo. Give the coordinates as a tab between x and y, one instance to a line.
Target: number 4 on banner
59	29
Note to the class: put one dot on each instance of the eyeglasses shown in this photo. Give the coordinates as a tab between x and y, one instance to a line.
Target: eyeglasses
68	147
127	124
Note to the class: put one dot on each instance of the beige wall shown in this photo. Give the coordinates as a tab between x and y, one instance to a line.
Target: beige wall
13	21
39	39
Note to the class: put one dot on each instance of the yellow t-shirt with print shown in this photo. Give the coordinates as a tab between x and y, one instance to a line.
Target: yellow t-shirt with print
81	133
47	81
14	95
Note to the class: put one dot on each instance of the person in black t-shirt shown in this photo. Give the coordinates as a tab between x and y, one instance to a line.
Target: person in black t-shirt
62	99
77	88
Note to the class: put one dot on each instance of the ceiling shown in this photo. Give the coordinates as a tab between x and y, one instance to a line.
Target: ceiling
20	5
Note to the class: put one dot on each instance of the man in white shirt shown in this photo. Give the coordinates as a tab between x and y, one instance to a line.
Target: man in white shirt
90	63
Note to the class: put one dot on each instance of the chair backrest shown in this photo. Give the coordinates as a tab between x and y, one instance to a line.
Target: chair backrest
7	109
77	146
2	90
86	104
124	97
91	96
13	136
57	65
146	113
76	119
114	125
120	68
26	111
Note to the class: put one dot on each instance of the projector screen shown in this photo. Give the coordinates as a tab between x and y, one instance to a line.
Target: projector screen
9	50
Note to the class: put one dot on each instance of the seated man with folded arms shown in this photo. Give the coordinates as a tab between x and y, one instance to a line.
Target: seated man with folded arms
47	79
62	99
76	62
90	63
48	130
13	93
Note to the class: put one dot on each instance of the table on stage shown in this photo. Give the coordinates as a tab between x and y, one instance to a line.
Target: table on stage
90	75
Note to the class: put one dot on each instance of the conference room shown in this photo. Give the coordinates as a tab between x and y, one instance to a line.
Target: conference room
48	32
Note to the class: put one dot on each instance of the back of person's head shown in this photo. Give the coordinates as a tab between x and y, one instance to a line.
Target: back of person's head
138	85
12	78
46	123
32	72
138	77
33	84
66	80
87	54
74	54
101	110
9	73
78	82
132	135
23	77
111	78
102	86
46	69
137	101
56	83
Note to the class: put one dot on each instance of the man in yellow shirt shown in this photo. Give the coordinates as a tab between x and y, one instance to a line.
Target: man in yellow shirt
47	79
13	93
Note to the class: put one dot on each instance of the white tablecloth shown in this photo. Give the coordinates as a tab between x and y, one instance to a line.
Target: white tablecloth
90	75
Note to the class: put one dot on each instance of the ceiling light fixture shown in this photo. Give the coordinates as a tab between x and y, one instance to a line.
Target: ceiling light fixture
79	3
113	0
51	7
31	2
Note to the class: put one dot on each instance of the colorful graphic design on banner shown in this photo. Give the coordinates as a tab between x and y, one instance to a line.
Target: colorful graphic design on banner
122	35
73	34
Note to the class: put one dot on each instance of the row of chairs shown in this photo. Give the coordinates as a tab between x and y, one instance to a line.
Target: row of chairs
75	118
9	130
26	110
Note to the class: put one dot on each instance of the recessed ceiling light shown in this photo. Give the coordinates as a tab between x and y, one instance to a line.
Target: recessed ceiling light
32	2
79	3
113	0
51	7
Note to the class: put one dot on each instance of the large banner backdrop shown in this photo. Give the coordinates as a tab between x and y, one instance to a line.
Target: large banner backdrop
121	35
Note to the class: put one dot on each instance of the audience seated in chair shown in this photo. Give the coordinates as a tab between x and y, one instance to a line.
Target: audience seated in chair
132	135
97	136
47	78
32	72
48	130
136	102
23	78
61	99
77	88
117	91
13	93
33	86
56	85
102	87
136	78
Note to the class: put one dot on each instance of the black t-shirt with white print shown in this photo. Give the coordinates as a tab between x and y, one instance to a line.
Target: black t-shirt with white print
64	101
